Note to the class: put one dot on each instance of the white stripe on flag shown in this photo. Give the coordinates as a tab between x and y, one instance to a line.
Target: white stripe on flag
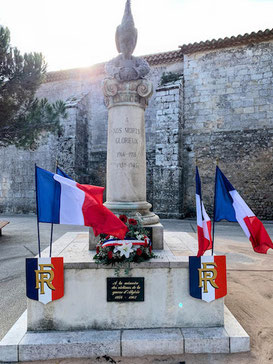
241	211
72	199
198	211
210	295
204	223
47	296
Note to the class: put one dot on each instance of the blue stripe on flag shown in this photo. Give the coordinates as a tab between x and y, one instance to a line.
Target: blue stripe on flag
48	197
194	265
62	173
223	200
198	183
31	266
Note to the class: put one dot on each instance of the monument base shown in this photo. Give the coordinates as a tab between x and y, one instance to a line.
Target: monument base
22	345
133	209
84	323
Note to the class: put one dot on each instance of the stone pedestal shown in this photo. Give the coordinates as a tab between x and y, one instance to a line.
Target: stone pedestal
84	324
167	301
126	148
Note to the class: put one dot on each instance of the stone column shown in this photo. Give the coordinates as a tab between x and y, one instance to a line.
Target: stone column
126	148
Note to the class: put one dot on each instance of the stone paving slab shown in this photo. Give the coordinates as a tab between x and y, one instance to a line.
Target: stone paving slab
73	247
61	345
205	340
152	342
239	340
10	342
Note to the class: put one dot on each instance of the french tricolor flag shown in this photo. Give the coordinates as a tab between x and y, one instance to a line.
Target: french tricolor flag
203	220
229	205
61	200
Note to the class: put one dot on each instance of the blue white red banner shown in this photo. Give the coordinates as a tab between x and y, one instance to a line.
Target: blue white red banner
203	220
208	280
61	200
44	279
229	205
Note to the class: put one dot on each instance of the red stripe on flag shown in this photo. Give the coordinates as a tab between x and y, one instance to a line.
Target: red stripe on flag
107	223
102	220
203	243
58	281
209	230
259	237
95	191
221	279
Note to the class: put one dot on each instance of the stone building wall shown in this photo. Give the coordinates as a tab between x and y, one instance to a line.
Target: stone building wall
222	108
167	170
81	150
228	112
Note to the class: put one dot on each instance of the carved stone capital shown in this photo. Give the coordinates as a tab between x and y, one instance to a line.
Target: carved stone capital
135	92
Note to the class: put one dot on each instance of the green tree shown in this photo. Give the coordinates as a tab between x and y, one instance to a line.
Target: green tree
23	117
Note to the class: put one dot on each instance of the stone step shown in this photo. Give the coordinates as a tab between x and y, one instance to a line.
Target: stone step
20	345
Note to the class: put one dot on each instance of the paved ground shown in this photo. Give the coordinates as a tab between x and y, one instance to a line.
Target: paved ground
19	241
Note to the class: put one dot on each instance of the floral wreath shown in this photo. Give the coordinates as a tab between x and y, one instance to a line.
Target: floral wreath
135	248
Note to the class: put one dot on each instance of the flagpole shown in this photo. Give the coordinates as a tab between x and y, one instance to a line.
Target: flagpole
51	232
51	237
213	224
37	213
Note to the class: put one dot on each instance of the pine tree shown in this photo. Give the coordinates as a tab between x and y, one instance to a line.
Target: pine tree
23	117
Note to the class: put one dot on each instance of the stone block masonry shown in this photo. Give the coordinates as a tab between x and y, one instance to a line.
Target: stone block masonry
167	171
221	108
228	115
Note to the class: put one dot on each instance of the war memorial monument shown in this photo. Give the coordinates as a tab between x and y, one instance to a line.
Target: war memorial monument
162	318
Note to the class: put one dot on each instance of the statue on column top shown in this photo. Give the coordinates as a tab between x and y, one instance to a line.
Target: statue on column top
126	67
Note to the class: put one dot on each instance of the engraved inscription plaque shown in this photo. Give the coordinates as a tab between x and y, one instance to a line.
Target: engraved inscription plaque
125	289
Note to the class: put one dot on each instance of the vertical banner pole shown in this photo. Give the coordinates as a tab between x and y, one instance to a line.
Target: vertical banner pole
213	224
51	237
37	213
51	232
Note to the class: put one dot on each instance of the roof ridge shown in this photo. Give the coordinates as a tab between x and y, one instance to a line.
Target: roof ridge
227	41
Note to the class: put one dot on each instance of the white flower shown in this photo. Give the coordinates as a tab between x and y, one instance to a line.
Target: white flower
124	249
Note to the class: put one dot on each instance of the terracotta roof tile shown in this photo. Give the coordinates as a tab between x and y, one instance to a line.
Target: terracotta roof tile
233	41
165	57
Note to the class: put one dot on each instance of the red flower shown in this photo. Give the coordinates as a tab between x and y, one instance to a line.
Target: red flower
123	218
110	255
97	249
132	222
139	252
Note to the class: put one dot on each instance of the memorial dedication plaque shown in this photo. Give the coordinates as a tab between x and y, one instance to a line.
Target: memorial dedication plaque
125	289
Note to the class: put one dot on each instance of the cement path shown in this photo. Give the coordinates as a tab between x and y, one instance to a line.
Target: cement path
19	241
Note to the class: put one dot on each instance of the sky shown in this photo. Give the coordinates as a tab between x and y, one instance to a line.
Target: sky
73	34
